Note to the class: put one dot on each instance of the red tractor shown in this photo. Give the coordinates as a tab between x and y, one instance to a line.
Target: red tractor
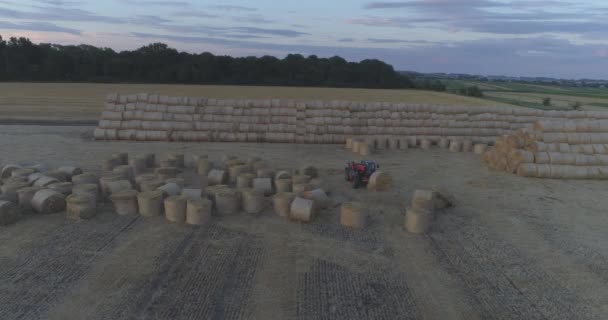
358	173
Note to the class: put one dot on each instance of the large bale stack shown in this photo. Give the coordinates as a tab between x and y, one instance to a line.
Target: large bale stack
150	117
572	149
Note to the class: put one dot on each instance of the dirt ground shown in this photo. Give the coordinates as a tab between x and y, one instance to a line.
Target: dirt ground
511	248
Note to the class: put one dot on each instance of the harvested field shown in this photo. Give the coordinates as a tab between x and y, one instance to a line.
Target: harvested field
511	248
60	101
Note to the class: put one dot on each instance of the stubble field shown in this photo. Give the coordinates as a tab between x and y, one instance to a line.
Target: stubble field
70	101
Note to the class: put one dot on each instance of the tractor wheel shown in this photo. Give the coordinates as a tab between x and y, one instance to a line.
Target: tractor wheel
357	181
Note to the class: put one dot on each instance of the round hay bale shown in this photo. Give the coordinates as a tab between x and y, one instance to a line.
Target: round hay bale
150	203
170	189
227	201
455	146
109	164
198	211
300	188
15	180
45	181
88	189
70	171
300	178
48	201
151	185
245	180
227	158
9	213
480	148
22	172
302	210
357	146
116	186
260	165
319	196
417	221
85	178
181	182
138	165
443	143
59	175
169	163
150	159
423	200
13	187
467	146
265	173
79	206
41	167
282	203
175	209
103	182
144	178
217	177
178	158
309	171
253	160
125	171
166	173
8	169
349	143
122	157
364	149
380	181
235	171
351	215
192	193
62	187
527	170
253	201
264	185
125	202
24	196
32	178
283	185
203	166
283	174
425	144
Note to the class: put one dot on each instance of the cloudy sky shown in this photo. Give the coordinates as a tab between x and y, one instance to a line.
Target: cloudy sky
555	38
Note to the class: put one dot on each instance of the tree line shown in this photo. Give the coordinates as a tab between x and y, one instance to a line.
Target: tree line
22	60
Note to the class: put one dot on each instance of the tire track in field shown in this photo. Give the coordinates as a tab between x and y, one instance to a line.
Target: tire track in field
500	281
211	278
331	291
40	275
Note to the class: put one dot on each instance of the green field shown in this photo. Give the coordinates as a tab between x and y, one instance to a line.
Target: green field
532	95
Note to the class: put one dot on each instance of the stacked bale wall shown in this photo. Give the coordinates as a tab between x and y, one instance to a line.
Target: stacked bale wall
145	117
572	149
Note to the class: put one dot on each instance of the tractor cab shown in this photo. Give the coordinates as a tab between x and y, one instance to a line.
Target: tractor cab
358	173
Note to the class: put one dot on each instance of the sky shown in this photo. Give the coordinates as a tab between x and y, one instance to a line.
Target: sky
553	38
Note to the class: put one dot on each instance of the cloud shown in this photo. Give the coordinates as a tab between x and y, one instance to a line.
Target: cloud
252	18
346	40
38	26
195	14
231	31
233	8
59	3
488	16
384	40
158	3
56	14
